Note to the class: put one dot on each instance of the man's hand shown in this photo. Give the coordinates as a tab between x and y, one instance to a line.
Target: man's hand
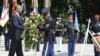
47	25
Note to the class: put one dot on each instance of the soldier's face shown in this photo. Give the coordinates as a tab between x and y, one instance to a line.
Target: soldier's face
70	18
97	17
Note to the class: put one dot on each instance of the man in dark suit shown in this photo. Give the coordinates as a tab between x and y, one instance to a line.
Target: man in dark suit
16	31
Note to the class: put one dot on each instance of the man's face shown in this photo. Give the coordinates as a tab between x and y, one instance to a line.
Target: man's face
97	17
19	9
70	18
59	20
45	16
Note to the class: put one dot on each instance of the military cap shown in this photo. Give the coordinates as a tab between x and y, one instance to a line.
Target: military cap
45	10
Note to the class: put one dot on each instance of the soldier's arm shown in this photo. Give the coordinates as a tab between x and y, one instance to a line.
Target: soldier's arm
51	24
91	28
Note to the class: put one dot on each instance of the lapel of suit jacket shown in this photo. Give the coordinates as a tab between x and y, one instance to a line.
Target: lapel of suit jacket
19	17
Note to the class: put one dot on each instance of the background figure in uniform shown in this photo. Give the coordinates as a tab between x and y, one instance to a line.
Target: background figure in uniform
49	33
71	35
17	29
59	34
7	37
95	29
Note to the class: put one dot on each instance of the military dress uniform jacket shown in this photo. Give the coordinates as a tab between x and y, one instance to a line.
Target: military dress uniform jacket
58	32
49	31
70	31
95	26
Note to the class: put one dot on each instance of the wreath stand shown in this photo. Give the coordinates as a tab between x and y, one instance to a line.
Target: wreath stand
86	37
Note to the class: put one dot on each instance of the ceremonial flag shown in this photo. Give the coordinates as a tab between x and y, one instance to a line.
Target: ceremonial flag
35	6
14	3
32	3
47	3
5	13
4	16
76	26
5	3
35	3
25	6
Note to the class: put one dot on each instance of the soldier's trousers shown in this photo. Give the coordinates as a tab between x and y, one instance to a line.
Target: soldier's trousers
96	53
50	50
71	48
38	46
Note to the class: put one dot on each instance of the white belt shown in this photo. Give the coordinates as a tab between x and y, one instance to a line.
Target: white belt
96	33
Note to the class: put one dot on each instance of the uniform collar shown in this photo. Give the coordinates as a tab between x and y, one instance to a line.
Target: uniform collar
70	22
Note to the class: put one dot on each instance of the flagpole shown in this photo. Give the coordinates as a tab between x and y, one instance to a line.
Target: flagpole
5	3
35	2
47	3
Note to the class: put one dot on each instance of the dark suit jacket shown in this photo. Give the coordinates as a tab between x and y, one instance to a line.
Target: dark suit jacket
16	27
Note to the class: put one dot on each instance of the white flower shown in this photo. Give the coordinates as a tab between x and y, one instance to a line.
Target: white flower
38	15
36	40
36	21
33	34
33	39
30	21
33	24
31	30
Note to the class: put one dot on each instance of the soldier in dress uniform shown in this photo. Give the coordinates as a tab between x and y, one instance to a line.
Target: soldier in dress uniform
49	33
71	35
95	29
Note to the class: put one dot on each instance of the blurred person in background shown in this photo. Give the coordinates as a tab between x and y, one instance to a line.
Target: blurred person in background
58	34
